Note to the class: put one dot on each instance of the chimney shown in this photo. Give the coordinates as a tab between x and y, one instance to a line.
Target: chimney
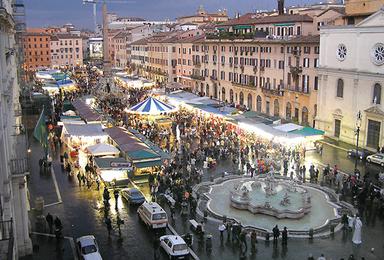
280	6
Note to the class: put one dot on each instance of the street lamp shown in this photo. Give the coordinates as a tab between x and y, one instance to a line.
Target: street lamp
358	125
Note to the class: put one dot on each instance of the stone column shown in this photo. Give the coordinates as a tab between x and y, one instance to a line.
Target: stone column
20	218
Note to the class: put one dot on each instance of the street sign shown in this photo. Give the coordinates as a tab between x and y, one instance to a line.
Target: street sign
121	164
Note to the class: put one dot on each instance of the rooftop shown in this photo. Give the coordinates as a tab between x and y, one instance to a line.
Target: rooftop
253	19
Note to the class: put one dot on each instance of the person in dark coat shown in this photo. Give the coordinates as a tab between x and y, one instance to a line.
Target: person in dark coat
284	236
276	233
49	220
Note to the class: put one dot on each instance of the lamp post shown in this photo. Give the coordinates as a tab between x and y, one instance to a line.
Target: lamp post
358	125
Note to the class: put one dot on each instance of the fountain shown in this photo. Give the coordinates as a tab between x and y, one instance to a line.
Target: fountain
270	197
263	201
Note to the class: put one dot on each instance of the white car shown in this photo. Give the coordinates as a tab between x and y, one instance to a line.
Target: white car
377	158
87	248
174	246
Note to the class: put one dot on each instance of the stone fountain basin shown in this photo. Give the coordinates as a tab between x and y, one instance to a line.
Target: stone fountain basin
321	211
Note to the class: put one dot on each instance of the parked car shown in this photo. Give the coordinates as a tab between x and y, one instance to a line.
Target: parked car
362	153
377	158
132	195
87	248
174	246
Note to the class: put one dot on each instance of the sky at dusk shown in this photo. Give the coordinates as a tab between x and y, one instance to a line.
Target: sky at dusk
41	13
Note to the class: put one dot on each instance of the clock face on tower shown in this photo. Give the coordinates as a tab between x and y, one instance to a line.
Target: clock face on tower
377	54
341	52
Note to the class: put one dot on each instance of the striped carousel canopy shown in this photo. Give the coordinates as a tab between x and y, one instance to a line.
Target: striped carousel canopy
151	106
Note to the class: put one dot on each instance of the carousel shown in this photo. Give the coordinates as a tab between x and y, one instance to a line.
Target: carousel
154	111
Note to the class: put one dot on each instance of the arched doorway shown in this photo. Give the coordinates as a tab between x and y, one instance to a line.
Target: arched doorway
215	95
304	116
241	101
258	104
207	90
276	108
288	111
250	101
231	96
223	95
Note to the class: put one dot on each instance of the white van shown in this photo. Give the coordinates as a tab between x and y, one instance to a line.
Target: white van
153	215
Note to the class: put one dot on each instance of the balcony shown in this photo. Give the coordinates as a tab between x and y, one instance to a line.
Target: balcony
298	89
197	77
6	240
273	92
295	70
197	64
250	85
19	166
213	77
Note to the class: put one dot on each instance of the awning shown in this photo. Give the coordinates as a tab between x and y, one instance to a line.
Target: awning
84	130
308	131
87	113
102	149
143	154
148	164
242	27
112	163
151	106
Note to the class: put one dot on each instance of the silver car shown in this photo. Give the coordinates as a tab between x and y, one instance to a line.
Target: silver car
377	158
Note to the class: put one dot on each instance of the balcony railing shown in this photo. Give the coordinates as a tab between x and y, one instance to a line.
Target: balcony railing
197	77
213	77
19	166
6	240
274	92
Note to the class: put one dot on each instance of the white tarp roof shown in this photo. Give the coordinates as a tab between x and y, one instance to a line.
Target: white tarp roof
102	149
289	127
84	129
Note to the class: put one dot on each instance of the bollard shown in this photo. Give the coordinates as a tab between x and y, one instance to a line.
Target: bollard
267	236
208	242
39	205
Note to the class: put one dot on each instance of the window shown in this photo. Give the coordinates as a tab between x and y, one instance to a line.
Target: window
258	104
298	32
377	94
288	109
304	116
316	63
316	83
340	88
341	52
306	62
373	136
276	109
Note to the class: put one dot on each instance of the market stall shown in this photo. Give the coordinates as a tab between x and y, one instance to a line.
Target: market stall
102	149
76	136
113	171
143	158
85	111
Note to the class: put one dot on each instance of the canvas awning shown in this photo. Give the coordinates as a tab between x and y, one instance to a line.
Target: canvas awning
148	164
85	112
102	149
151	106
83	130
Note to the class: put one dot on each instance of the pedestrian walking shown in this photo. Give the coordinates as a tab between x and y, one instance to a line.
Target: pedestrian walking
222	229
119	222
253	241
116	195
108	223
79	178
49	219
284	236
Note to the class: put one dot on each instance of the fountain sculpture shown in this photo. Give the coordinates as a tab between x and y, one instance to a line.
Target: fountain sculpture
271	197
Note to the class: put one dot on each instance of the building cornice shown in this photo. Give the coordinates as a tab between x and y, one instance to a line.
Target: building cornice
352	72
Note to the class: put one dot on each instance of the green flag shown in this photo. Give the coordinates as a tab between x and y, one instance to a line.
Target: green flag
41	132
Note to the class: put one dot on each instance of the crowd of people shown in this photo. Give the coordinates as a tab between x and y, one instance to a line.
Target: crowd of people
197	142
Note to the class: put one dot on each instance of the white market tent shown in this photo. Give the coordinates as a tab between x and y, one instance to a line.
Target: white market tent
289	127
102	149
151	106
83	134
